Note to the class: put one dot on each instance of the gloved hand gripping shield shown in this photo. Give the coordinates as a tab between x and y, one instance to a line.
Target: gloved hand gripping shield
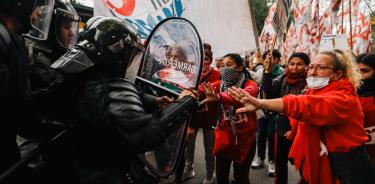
172	62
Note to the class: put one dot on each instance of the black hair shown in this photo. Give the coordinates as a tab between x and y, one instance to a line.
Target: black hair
275	54
359	57
368	59
302	56
207	50
240	62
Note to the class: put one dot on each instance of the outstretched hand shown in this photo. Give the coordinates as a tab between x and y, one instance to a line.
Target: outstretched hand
210	92
250	103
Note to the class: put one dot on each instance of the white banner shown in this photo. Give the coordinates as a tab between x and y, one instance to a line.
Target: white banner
224	24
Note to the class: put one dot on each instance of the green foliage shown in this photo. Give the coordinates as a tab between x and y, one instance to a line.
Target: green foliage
260	10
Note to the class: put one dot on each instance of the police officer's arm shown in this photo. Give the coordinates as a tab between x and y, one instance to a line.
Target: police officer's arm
4	70
123	113
4	75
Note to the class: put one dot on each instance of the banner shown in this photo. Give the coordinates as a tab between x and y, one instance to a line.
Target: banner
142	14
226	25
268	32
330	42
280	17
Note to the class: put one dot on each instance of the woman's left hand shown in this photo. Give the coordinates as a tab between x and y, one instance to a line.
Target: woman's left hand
251	104
211	94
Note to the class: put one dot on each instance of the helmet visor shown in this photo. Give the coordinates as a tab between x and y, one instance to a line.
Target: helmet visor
66	26
41	19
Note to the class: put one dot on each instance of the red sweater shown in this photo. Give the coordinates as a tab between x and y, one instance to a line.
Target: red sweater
368	108
247	130
206	118
331	115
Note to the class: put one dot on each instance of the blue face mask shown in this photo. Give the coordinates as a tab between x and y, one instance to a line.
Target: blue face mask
229	75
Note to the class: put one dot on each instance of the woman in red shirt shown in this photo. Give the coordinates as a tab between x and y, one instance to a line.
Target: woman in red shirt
204	118
234	135
329	144
366	93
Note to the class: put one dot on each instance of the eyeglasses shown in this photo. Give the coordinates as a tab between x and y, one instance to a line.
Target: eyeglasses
320	68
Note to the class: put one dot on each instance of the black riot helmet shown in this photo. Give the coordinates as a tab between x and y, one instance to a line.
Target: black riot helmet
30	13
109	44
63	32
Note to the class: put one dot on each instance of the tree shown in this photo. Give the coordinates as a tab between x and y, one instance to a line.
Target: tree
260	10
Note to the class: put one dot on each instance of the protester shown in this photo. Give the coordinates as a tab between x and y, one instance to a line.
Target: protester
366	92
256	68
266	124
329	144
234	135
42	53
218	63
292	82
205	118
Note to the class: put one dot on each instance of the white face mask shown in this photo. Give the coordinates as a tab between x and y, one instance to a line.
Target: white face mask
317	82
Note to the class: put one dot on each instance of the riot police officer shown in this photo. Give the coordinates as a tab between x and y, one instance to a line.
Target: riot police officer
62	35
14	83
112	126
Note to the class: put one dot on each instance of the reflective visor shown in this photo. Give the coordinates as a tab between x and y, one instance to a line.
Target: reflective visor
41	19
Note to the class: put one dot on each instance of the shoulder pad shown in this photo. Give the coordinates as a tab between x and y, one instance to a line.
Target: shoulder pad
124	98
123	84
5	39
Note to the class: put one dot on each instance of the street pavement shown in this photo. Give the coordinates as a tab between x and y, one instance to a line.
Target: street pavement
256	176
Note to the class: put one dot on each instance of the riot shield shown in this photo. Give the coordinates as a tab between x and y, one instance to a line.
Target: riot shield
173	56
172	62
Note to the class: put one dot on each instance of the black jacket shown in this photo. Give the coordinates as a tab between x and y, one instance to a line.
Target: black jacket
14	86
276	88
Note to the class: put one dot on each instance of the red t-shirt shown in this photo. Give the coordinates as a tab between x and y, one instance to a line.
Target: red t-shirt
246	130
206	116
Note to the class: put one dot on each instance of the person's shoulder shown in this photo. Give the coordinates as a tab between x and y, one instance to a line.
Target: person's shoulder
251	82
215	72
5	38
280	77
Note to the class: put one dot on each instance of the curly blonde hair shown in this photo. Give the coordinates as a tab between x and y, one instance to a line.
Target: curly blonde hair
345	61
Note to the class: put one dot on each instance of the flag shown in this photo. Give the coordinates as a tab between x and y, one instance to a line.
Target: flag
362	34
268	33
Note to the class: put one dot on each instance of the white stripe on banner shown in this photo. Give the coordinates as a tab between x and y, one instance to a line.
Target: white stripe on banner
226	25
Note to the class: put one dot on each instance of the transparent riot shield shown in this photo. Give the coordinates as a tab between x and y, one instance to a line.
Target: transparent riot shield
172	62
